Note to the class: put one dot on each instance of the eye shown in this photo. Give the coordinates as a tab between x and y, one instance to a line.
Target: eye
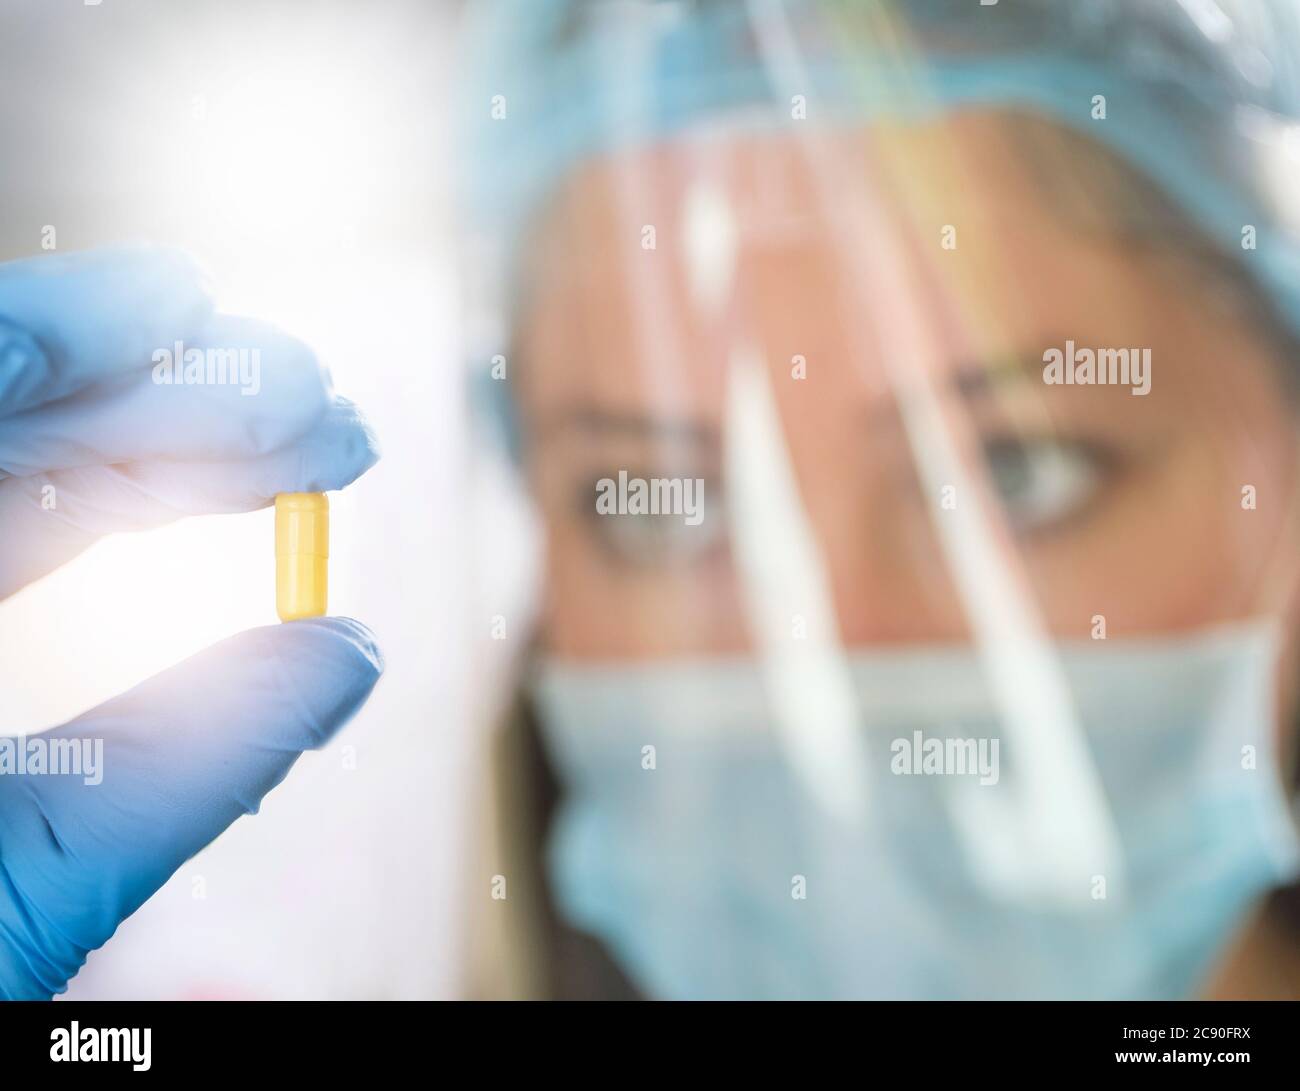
664	539
1044	482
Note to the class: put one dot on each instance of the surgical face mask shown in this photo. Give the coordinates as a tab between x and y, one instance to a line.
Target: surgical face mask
688	844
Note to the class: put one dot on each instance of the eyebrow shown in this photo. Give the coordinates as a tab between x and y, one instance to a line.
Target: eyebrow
978	380
972	381
607	423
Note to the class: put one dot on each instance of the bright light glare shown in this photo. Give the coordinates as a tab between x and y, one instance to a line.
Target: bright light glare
287	160
278	174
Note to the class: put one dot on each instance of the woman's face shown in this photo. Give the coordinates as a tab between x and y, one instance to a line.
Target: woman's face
1133	507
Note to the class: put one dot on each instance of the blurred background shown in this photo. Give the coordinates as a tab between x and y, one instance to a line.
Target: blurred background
296	150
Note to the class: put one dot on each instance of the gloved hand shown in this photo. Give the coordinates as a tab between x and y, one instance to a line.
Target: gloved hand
189	751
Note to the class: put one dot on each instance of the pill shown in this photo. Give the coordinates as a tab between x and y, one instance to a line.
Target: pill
302	549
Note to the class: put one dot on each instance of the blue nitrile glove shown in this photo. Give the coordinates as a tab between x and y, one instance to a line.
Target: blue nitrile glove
189	751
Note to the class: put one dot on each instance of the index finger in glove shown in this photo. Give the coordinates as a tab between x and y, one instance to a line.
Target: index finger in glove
70	320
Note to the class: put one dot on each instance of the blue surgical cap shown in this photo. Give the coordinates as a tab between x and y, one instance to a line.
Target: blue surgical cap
1203	96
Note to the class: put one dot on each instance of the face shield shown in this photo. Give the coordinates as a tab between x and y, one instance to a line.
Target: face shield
904	401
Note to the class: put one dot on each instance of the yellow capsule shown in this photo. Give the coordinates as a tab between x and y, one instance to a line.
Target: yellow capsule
302	549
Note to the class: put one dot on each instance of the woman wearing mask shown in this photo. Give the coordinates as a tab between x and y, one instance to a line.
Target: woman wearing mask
906	396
